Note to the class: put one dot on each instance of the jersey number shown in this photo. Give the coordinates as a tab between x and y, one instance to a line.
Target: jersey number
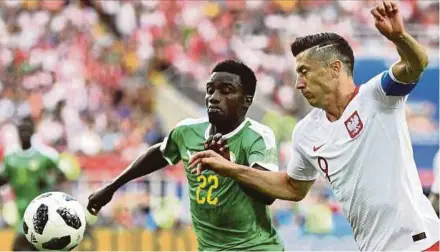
212	180
323	165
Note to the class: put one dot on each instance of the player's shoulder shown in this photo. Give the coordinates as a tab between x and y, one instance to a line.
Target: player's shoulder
258	130
11	152
258	127
305	125
372	84
193	125
47	151
306	128
192	122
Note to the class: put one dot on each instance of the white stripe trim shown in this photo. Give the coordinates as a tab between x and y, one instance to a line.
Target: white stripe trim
230	134
48	152
302	178
26	153
265	132
191	121
162	149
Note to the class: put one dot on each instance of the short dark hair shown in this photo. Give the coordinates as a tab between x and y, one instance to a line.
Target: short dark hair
332	45
247	76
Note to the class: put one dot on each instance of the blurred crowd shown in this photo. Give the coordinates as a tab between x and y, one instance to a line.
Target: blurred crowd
87	70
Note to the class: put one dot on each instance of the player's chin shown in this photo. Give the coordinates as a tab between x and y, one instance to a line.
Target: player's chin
215	117
311	101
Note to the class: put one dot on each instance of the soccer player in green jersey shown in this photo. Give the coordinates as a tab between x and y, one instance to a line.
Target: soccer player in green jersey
30	171
225	214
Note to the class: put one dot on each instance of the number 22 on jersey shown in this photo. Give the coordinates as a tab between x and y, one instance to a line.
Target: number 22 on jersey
207	182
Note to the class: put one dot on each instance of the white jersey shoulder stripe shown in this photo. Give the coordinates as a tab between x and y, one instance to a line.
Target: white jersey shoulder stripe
265	132
192	121
48	152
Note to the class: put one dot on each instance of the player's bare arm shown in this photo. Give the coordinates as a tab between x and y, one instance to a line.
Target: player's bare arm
262	197
152	160
274	184
413	58
219	144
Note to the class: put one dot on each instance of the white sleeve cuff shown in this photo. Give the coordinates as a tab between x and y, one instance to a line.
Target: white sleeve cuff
301	177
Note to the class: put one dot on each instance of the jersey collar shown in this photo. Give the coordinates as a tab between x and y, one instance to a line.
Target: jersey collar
230	134
26	153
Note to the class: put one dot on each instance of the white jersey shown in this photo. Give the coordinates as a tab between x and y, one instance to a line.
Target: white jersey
367	158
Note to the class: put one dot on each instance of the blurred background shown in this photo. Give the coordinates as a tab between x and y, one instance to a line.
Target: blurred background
104	80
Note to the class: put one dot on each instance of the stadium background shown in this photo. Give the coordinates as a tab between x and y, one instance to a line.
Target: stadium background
106	79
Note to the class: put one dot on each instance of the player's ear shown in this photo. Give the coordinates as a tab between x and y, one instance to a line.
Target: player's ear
247	101
336	68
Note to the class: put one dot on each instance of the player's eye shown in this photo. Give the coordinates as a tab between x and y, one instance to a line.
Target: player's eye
210	90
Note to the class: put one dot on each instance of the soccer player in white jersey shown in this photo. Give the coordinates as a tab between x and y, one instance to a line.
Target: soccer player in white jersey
435	187
357	138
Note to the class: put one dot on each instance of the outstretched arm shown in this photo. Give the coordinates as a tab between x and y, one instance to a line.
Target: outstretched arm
219	144
413	58
273	184
152	160
258	195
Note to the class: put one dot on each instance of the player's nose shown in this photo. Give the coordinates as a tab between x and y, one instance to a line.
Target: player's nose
300	83
214	98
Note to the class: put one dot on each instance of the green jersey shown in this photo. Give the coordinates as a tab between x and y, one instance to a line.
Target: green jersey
223	215
29	173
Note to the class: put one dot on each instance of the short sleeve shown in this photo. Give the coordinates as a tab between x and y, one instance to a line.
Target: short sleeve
263	154
299	168
170	147
262	147
387	90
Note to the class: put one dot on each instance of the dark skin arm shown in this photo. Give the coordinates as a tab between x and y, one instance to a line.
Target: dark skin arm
218	144
257	195
151	161
278	185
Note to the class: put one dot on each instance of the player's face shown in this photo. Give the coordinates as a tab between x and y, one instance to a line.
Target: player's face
224	98
25	132
314	80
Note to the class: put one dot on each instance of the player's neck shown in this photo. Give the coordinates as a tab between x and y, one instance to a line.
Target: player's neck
26	145
339	101
226	128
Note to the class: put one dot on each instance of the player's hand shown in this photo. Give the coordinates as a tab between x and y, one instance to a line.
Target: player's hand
218	144
389	22
210	160
99	199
